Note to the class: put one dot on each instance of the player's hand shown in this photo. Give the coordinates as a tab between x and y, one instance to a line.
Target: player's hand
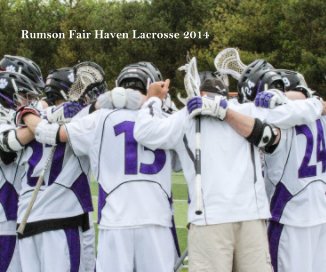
22	111
216	107
270	99
158	89
63	113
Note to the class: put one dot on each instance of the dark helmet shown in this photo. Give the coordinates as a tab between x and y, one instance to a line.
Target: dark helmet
291	79
138	75
23	66
210	82
256	78
58	83
13	86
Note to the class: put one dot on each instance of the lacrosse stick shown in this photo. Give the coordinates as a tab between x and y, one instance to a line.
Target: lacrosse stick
192	86
179	263
88	75
228	62
37	188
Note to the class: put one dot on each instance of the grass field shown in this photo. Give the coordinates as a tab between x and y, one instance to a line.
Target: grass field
180	197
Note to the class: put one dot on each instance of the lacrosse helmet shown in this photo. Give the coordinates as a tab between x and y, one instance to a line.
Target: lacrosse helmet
212	83
138	75
258	76
23	66
58	83
291	79
16	90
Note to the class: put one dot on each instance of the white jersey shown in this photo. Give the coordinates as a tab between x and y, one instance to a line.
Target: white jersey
65	191
10	184
296	176
232	183
134	181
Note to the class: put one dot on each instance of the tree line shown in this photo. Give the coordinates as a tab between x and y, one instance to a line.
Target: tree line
288	33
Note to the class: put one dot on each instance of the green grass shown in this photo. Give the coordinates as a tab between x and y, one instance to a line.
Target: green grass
180	196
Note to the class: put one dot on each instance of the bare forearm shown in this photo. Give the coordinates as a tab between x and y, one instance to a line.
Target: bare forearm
242	124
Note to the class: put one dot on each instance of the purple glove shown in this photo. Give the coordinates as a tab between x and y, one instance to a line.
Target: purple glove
270	99
194	103
63	113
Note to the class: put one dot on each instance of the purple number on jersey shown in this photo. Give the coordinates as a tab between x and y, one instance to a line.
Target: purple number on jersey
131	156
321	147
306	170
37	153
56	164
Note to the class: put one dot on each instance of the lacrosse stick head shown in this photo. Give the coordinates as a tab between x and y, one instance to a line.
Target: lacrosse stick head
257	77
212	83
192	79
228	62
89	79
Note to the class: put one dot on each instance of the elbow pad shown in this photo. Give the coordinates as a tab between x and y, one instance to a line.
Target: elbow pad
7	157
262	135
9	141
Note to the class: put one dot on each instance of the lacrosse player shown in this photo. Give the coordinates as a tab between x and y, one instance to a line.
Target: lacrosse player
135	214
15	90
58	84
295	182
231	231
59	214
60	211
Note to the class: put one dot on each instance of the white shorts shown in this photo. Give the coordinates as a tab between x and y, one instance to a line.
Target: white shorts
9	254
295	249
144	249
52	251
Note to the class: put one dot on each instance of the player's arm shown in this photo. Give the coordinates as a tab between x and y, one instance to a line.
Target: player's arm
12	141
291	112
44	131
258	133
154	130
254	130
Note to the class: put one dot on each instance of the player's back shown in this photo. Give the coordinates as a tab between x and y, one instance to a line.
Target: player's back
135	182
296	175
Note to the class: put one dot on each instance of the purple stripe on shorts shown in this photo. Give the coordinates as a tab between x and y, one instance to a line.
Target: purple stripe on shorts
102	195
9	200
7	249
73	241
83	192
274	235
57	162
279	200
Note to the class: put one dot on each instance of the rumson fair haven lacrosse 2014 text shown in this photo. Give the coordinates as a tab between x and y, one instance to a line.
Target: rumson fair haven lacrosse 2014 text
100	34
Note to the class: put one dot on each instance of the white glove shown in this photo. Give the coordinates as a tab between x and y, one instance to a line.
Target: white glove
270	99
216	107
63	113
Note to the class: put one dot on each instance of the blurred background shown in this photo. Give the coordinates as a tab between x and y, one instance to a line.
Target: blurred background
288	33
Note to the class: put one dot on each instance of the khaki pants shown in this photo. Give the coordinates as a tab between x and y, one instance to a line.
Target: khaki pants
231	247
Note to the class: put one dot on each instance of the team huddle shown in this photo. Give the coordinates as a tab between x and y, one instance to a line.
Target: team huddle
254	166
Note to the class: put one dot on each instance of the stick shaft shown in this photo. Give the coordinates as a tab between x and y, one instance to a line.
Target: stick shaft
179	262
198	183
